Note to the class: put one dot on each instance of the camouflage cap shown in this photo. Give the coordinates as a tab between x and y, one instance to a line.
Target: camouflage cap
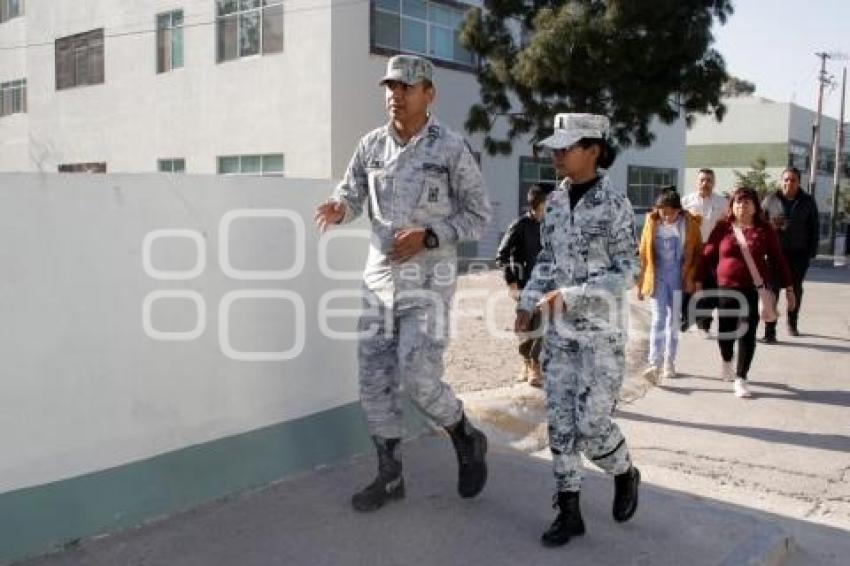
570	128
408	69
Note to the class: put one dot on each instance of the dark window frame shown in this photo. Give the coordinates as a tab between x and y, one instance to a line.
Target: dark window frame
263	157
454	65
13	97
165	45
80	54
6	10
231	14
90	167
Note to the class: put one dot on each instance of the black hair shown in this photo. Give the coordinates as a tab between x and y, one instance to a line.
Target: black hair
607	152
793	170
707	171
744	192
668	198
537	194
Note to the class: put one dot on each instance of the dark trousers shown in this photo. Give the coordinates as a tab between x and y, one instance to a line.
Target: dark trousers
707	303
530	349
798	265
743	326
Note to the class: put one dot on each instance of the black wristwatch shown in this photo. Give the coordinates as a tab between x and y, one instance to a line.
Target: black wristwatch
431	239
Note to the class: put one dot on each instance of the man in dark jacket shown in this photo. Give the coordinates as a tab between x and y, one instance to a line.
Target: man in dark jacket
794	214
517	255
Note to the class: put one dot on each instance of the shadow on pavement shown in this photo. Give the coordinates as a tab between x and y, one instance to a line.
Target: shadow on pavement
307	520
835	442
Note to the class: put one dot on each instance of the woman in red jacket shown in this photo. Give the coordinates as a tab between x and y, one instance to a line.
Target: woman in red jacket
736	285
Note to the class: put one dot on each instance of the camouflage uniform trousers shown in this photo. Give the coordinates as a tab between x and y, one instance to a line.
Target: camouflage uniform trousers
582	379
404	351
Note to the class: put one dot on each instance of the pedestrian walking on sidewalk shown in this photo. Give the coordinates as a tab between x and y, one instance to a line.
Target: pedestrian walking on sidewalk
424	193
587	262
670	248
743	239
794	215
516	256
711	208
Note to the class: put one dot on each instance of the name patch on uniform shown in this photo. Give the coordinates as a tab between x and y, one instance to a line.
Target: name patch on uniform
375	164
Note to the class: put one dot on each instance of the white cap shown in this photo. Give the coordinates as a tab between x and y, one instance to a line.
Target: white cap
569	128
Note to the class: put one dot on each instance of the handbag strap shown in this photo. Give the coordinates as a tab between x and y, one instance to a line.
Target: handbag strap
748	258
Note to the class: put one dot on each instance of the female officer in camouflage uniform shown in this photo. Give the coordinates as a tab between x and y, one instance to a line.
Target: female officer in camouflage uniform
579	283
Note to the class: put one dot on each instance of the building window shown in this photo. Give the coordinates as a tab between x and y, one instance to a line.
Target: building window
11	9
798	156
79	60
248	27
533	171
177	165
423	27
83	167
826	161
645	184
169	41
271	164
13	97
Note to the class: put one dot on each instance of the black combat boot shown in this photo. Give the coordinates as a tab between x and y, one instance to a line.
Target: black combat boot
471	446
792	324
626	494
770	333
568	523
389	485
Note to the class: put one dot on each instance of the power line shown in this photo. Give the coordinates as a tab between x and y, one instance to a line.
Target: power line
313	8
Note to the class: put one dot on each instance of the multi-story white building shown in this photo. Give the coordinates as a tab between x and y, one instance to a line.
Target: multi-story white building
246	87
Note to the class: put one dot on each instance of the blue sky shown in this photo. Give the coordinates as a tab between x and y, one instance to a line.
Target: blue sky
772	43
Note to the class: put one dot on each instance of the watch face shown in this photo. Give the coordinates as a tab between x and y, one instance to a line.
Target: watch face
430	240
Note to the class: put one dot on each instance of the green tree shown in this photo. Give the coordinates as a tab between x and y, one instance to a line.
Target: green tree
758	178
737	87
632	61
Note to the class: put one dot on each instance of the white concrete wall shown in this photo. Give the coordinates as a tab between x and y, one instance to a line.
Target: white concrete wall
748	119
278	103
85	387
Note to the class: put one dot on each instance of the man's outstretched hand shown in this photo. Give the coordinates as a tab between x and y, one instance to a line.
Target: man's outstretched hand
328	213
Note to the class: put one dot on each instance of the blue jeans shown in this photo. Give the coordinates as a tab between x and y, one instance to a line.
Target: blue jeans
666	304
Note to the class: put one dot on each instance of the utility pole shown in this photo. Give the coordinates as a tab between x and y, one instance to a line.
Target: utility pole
823	80
839	143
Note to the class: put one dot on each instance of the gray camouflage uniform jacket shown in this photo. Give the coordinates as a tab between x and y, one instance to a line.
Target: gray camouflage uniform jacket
434	181
588	253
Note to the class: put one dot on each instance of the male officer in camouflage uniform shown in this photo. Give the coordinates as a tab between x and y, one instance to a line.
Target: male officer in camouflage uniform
424	192
580	279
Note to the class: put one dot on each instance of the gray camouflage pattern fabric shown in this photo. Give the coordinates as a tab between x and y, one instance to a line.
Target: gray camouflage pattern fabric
408	69
433	180
589	254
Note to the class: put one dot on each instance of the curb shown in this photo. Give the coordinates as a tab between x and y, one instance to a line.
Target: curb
770	547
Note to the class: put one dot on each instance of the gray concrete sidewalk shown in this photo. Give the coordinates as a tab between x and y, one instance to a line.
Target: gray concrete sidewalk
308	521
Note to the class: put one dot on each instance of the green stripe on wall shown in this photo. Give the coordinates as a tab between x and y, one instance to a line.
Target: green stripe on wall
739	155
42	518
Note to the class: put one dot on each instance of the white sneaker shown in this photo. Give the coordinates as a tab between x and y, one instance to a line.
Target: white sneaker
727	372
652	375
741	389
669	370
